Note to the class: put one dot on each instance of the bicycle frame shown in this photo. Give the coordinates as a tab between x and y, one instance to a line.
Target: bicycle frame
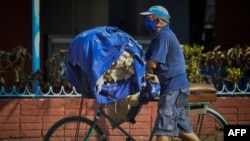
114	124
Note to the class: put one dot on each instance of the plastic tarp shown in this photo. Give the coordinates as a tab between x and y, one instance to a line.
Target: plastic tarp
92	53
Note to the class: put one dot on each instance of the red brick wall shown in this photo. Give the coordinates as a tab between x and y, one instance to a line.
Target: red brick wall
234	109
30	118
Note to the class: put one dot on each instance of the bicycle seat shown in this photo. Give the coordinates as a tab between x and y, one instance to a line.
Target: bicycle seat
200	92
201	88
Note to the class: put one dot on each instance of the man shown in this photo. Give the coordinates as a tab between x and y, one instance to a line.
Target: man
166	60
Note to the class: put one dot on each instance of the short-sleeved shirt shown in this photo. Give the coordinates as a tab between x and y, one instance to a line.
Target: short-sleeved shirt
165	49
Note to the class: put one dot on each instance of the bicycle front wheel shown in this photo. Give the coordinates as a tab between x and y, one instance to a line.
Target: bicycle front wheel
74	129
209	126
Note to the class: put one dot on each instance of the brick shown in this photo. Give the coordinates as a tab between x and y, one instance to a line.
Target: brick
8	134
230	110
47	126
10	113
40	105
29	112
12	139
224	102
143	118
6	120
74	112
140	132
30	106
232	122
7	105
152	125
9	127
154	113
30	133
51	119
52	112
91	112
244	122
30	126
89	117
52	103
31	103
145	111
124	125
243	117
230	102
152	104
72	103
30	139
31	119
116	138
91	104
153	119
5	102
244	110
230	117
140	125
72	106
115	132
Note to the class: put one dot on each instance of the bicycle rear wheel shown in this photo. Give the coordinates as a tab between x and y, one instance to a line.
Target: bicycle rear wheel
73	129
209	126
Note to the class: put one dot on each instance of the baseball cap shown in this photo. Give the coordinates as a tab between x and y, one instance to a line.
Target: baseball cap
159	11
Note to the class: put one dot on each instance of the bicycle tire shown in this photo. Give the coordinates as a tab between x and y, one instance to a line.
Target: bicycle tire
65	129
212	126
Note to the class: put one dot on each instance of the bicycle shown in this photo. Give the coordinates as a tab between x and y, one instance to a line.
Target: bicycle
81	128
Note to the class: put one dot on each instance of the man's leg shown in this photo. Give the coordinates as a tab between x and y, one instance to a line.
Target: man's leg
162	138
189	136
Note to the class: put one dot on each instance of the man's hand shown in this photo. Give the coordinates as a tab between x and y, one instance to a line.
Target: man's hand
151	65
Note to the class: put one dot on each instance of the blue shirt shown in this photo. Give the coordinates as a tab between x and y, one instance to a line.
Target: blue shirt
166	51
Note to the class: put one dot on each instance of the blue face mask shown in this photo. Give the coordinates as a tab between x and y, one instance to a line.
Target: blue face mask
150	25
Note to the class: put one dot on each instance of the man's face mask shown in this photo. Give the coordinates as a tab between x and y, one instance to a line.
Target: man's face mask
150	25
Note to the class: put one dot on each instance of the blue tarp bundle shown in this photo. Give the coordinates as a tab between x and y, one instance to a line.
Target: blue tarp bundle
92	53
